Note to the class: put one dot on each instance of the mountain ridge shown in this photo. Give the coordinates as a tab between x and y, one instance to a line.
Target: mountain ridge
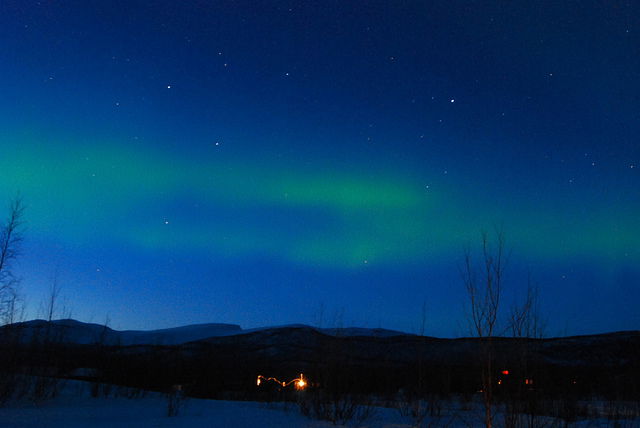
79	332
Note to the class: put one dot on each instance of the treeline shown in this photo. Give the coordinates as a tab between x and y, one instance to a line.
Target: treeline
219	367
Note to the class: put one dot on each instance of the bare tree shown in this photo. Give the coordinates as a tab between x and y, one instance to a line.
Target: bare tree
51	302
47	380
11	308
524	319
523	403
484	288
10	242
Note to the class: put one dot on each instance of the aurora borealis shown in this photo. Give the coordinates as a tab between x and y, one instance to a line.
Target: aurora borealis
254	162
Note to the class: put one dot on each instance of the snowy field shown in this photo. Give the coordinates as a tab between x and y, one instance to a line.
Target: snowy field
74	408
84	412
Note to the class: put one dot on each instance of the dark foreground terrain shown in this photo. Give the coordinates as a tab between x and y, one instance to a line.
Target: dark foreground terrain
355	361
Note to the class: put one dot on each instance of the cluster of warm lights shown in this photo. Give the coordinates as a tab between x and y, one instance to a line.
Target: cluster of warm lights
506	373
299	382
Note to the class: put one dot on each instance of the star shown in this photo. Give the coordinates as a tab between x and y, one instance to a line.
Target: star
168	86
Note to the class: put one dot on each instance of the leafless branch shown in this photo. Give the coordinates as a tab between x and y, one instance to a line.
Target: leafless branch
10	242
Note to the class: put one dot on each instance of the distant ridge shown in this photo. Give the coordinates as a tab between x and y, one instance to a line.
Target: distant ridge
81	333
73	331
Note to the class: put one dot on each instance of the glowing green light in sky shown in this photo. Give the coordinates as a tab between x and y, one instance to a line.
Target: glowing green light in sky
346	218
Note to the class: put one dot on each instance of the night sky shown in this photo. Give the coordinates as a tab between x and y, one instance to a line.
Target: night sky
322	162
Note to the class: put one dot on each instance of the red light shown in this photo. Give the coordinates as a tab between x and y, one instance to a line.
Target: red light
505	372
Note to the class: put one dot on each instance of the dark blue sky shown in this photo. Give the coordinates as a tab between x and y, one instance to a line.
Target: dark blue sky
264	162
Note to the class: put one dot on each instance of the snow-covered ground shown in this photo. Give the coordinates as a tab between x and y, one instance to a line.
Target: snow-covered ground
69	412
74	408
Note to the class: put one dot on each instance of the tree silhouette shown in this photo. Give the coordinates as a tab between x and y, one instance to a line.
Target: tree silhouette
484	288
10	242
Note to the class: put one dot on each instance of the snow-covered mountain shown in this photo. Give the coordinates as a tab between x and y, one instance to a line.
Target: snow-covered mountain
72	331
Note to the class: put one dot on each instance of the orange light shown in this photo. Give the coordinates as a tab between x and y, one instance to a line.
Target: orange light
505	372
299	383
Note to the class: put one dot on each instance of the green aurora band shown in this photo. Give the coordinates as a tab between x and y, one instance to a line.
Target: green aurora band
347	218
